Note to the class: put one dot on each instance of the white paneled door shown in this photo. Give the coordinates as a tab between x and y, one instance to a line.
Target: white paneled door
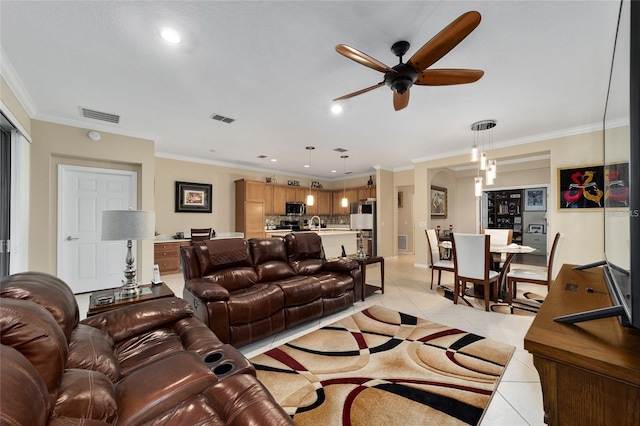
85	262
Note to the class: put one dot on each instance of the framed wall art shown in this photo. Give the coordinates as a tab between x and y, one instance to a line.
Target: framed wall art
535	200
400	199
438	202
581	187
193	197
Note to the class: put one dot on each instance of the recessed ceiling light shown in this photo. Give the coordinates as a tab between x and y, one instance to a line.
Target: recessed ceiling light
336	109
274	160
333	171
306	166
170	35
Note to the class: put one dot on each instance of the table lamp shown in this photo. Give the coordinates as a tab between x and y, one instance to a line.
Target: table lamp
361	221
121	225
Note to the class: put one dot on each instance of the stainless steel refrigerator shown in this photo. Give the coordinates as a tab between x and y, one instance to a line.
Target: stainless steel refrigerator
368	235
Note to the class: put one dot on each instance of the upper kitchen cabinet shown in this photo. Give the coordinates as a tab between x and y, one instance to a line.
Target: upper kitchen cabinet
350	193
250	208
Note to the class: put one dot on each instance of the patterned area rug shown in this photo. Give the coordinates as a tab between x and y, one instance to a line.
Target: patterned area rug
382	367
525	303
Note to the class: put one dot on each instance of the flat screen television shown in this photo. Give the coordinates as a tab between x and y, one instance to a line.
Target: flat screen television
621	132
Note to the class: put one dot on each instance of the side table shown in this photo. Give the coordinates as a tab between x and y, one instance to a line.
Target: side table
148	292
368	289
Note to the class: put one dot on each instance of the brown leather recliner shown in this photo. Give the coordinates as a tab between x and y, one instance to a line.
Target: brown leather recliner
149	363
246	290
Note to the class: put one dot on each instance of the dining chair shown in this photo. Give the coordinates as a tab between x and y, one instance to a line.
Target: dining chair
437	264
472	260
199	234
499	238
535	276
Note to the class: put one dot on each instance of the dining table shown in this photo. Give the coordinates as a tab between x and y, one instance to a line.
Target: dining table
510	250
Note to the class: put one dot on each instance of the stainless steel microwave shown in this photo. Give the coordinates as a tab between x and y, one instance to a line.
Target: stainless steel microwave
295	209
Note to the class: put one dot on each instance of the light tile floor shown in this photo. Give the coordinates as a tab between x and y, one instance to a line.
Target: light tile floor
519	397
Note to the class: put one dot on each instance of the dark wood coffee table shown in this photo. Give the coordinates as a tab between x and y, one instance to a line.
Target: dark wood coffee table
149	292
368	289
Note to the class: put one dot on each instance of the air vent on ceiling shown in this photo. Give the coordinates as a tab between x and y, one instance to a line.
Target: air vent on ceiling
340	150
262	156
102	116
222	118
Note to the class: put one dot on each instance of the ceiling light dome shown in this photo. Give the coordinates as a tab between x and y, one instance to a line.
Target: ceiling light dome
170	35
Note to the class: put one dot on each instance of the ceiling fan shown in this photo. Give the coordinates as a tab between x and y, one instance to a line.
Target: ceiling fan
401	77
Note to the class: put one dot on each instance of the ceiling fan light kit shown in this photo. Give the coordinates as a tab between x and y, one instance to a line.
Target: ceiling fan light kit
403	76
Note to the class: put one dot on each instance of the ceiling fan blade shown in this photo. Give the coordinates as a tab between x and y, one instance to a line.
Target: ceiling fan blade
445	40
400	101
362	58
359	92
448	76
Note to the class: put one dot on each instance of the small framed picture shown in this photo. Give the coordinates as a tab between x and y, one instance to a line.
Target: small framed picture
536	229
535	200
438	202
193	197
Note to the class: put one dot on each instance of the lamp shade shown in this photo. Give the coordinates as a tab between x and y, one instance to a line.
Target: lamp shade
120	225
361	221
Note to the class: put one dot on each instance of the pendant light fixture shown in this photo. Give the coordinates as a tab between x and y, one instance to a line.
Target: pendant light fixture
344	202
486	163
310	198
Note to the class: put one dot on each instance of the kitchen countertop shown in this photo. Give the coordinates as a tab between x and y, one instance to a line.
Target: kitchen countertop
219	236
322	232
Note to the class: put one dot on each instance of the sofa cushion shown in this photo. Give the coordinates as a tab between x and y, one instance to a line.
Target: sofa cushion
86	394
93	349
145	348
255	303
334	285
155	389
299	290
232	279
270	259
216	255
32	330
24	399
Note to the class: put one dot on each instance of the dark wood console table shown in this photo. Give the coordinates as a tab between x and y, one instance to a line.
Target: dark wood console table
590	371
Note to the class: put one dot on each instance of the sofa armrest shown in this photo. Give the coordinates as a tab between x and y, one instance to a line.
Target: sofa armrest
157	387
135	319
206	290
341	264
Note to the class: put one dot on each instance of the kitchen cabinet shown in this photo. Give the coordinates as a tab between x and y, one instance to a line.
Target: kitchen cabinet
322	203
296	194
350	193
279	200
250	208
166	254
366	192
268	199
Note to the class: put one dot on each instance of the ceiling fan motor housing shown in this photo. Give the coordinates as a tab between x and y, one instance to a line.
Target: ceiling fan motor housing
402	79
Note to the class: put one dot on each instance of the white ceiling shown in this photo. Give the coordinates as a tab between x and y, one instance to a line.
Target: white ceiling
272	66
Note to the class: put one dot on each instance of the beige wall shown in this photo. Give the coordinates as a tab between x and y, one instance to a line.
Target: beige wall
55	144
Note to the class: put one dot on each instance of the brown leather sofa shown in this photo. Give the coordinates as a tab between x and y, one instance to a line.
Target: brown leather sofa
246	290
151	363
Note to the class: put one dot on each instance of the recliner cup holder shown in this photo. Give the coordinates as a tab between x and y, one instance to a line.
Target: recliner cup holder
213	357
223	369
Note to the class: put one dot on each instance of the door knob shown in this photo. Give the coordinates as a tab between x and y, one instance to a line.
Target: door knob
70	238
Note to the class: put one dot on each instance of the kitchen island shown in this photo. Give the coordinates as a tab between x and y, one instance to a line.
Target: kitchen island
332	240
